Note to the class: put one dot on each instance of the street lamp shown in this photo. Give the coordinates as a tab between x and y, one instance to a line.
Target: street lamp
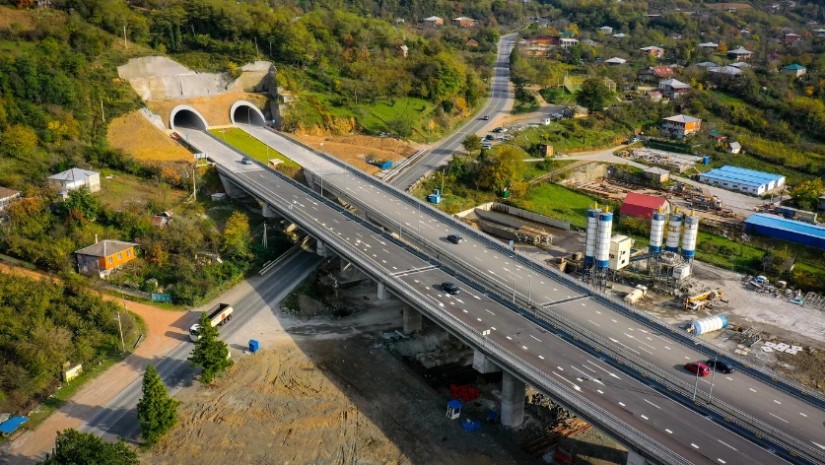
712	376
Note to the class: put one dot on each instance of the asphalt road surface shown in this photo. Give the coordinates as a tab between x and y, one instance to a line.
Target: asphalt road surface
636	404
118	419
501	99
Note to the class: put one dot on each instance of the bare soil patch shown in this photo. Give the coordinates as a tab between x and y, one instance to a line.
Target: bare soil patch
214	108
141	139
355	148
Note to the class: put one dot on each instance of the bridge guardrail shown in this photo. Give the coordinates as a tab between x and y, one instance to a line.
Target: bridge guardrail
760	372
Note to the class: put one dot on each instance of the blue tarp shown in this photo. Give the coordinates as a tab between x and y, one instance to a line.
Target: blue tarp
9	426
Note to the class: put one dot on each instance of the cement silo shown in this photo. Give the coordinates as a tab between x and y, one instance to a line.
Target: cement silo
657	232
689	236
590	237
674	230
603	239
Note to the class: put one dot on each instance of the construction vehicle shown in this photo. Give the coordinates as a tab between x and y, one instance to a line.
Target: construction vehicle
636	294
702	299
759	282
217	317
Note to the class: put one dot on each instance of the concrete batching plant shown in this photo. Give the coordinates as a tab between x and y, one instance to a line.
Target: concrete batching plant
590	237
657	231
603	239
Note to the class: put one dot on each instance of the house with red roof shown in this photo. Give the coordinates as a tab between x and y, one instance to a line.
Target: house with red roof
643	206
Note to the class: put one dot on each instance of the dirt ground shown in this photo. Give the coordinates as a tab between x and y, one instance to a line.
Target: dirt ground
164	331
354	148
141	139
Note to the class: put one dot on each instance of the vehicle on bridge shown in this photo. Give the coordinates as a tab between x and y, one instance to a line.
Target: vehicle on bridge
217	317
455	238
720	366
697	367
450	288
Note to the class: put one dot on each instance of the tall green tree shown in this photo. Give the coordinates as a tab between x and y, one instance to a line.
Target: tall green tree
80	204
210	352
236	236
75	448
500	168
157	412
593	95
806	194
472	143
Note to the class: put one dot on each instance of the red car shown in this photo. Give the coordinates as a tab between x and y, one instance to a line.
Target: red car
698	367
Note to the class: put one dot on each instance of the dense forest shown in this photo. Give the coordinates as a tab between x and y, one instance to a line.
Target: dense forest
44	325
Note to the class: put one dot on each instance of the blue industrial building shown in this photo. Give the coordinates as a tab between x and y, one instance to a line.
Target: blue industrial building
778	227
742	180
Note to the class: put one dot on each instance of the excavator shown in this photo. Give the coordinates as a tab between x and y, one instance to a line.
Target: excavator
697	301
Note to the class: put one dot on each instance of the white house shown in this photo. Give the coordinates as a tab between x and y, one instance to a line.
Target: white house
75	178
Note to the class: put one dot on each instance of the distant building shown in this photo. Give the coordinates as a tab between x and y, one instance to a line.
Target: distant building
607	30
103	257
740	54
7	196
619	252
724	74
567	42
707	64
162	219
433	22
615	61
654	95
657	175
654	51
465	22
742	65
794	70
709	45
820	32
620	35
680	126
75	178
673	88
788	230
791	38
743	180
643	206
734	147
404	51
654	74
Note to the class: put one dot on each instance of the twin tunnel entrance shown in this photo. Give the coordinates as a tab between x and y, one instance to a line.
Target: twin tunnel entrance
242	112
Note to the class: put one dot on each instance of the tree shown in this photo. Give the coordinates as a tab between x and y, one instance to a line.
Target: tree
157	412
593	95
236	236
472	143
210	353
18	141
80	204
500	169
73	447
806	194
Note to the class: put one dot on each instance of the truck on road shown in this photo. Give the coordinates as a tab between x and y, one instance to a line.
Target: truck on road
217	317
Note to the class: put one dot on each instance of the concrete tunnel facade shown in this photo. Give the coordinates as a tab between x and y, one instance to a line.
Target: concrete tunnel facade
245	112
186	116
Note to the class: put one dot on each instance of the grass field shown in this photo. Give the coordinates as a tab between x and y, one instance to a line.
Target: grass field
141	139
118	190
251	146
557	202
377	117
569	136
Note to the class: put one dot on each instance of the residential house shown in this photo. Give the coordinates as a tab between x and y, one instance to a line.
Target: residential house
404	51
654	96
742	65
615	61
820	33
791	38
465	22
673	88
707	65
162	219
724	74
656	52
539	45
740	54
589	42
734	147
75	178
642	205
794	70
101	258
607	30
433	22
620	35
680	126
567	42
654	74
7	196
709	45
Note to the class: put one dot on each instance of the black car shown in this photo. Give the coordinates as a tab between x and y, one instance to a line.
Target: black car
486	117
719	366
450	288
455	238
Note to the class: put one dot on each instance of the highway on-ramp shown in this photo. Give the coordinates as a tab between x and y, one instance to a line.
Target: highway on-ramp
547	361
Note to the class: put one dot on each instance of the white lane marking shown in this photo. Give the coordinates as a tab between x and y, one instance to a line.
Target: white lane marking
560	368
614	321
626	347
728	378
508	337
779	418
687	358
651	403
694	445
752	389
599	391
598	312
606	371
534	337
588	368
493	328
459	301
583	305
668	431
666	347
622	404
726	444
478	259
464	310
721	461
806	416
575	386
488	311
780	403
644	417
819	445
479	319
586	376
541	357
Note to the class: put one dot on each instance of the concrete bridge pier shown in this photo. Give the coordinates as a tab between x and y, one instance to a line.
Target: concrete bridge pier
233	191
322	250
484	364
512	401
270	213
383	293
412	320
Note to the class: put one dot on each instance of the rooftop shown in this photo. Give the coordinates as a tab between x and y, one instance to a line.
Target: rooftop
675	83
72	174
740	51
795	67
741	64
642	200
6	193
729	70
616	60
682	119
784	224
742	175
105	248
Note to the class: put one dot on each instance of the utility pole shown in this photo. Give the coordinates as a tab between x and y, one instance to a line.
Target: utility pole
125	43
264	238
120	328
102	114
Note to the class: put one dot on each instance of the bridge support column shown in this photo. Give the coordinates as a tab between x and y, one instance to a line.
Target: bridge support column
383	294
412	319
270	213
233	191
321	249
512	401
634	458
483	364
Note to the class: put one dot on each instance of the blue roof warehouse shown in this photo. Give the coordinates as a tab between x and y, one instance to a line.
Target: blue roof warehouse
742	180
778	227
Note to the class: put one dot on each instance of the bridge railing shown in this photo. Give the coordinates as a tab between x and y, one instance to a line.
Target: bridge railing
760	372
